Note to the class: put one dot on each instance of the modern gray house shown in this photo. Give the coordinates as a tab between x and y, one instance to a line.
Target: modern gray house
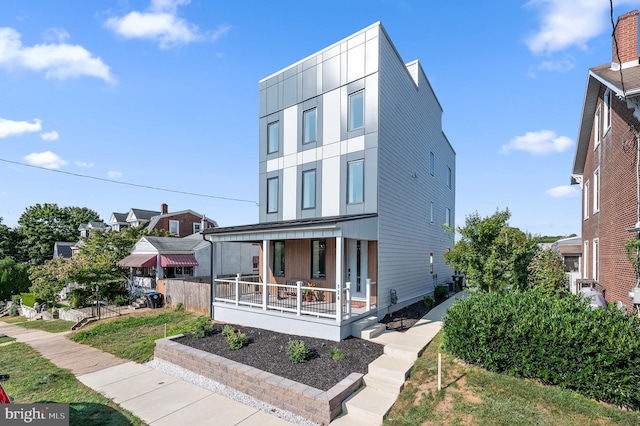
357	179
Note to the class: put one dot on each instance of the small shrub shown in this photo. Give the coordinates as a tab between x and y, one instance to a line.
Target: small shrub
428	301
227	331
121	300
28	299
440	292
14	311
179	307
297	351
336	354
237	340
202	328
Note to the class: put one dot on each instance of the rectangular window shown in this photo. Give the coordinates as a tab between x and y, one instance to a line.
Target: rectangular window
596	190
607	111
448	177
432	163
585	255
272	195
355	181
174	227
309	189
596	129
278	258
431	211
356	110
447	216
273	137
197	227
309	126
318	255
595	258
585	200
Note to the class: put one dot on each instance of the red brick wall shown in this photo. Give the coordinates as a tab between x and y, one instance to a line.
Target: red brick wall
626	37
186	221
618	203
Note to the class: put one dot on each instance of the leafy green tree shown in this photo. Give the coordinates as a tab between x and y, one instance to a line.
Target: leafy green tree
48	279
546	271
44	224
492	255
10	243
14	278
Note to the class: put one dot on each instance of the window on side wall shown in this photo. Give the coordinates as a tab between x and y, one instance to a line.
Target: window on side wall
448	177
318	256
272	195
431	211
585	200
596	253
596	129
355	182
273	137
309	125
596	191
197	227
585	264
447	216
278	258
356	110
606	120
432	163
309	189
174	227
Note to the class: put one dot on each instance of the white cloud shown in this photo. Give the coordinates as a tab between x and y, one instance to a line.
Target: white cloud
161	24
56	60
83	164
563	191
538	143
56	34
45	159
50	136
11	128
113	174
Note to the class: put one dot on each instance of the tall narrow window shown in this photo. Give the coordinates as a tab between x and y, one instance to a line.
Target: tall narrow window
596	129
318	254
309	189
356	110
585	200
447	216
585	256
606	120
355	181
273	137
596	190
309	126
448	177
278	258
272	195
432	163
431	211
596	254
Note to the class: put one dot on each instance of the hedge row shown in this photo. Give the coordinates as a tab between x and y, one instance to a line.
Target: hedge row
558	341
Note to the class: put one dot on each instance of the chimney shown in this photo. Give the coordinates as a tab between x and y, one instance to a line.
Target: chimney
164	208
626	34
203	223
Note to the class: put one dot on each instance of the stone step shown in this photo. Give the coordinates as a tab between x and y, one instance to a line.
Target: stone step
358	326
383	383
369	405
390	366
402	351
372	331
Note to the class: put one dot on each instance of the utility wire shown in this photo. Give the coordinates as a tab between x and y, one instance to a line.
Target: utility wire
129	183
615	40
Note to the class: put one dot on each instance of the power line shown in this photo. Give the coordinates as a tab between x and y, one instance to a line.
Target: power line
615	40
129	183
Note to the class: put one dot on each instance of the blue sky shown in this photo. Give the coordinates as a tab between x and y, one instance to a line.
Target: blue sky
164	93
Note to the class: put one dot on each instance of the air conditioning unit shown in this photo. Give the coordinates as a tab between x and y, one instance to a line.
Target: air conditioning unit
634	295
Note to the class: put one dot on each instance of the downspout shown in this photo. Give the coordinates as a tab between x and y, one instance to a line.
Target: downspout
211	277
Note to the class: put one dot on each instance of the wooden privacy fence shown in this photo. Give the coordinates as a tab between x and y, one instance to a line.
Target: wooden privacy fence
194	295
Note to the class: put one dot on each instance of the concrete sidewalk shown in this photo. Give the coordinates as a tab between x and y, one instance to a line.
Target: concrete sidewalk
154	397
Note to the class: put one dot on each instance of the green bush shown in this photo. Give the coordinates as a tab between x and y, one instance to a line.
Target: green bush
336	354
556	340
122	300
28	299
227	330
79	297
237	340
14	311
297	351
202	327
428	301
179	307
440	293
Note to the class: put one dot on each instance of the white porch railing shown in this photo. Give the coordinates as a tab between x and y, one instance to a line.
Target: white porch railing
299	299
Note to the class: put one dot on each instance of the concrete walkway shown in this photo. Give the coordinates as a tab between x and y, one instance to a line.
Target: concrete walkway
160	399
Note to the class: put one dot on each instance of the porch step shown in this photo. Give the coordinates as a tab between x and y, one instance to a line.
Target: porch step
383	383
358	326
408	353
390	366
368	405
372	331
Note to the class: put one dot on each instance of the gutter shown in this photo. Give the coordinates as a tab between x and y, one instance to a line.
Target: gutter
204	237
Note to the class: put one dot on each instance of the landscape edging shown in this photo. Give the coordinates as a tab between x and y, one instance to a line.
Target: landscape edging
311	403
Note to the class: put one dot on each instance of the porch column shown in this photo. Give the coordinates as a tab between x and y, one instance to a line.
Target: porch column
265	273
339	268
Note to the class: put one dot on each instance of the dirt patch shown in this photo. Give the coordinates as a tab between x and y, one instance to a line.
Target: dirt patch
267	351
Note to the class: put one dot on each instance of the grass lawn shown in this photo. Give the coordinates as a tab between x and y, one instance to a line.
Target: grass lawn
473	396
6	339
134	336
36	380
52	326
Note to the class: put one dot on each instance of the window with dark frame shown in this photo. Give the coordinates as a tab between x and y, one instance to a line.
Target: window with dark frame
309	125
318	259
273	137
355	182
356	110
278	259
272	195
309	189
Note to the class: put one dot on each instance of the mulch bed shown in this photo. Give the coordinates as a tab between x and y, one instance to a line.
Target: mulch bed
403	319
267	351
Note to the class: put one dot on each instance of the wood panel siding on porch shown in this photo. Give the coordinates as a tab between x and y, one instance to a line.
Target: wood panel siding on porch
372	270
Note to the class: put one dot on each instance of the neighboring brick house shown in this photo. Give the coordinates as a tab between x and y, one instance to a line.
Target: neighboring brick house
606	165
180	223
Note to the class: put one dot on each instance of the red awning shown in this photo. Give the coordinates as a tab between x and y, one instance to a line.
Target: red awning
177	260
139	260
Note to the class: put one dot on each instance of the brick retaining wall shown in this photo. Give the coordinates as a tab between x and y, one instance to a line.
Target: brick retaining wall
311	403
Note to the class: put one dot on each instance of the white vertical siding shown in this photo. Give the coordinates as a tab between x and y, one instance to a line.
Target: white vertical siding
331	186
290	130
289	193
331	117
